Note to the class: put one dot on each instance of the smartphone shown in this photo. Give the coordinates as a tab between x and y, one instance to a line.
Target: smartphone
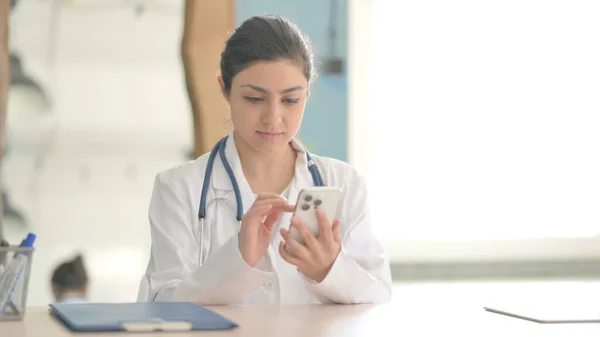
309	200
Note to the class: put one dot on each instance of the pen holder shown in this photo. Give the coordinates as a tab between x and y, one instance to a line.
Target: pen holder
15	268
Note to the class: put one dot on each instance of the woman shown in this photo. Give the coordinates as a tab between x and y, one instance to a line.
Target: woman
70	282
266	70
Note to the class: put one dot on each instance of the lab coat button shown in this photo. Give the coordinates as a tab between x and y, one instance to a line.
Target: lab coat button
268	285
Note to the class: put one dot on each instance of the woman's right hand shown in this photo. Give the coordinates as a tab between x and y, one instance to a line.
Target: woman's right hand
257	226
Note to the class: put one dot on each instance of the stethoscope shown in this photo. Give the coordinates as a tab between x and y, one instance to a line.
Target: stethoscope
220	149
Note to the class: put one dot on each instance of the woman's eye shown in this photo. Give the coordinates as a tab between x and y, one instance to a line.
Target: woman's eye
253	99
291	100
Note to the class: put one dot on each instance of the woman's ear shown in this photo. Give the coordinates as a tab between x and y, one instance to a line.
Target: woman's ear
222	86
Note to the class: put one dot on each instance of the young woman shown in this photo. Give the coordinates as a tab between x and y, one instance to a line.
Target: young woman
220	224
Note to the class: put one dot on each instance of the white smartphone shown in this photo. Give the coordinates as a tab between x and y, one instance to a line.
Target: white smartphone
309	200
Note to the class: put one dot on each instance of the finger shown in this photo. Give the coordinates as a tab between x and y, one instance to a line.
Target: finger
307	236
271	219
266	196
270	201
261	212
280	204
258	211
269	197
324	226
335	229
295	248
287	257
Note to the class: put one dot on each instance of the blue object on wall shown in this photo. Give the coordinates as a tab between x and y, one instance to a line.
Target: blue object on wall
324	128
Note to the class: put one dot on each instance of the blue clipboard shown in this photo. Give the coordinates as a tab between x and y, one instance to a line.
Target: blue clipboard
138	317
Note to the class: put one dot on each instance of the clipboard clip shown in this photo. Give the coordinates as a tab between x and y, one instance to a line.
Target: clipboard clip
156	324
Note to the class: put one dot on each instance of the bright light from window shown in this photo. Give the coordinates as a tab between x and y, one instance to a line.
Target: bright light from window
486	121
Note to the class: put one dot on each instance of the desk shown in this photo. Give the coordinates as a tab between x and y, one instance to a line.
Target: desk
395	319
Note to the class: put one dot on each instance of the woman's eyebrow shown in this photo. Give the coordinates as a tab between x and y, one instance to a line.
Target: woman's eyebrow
263	90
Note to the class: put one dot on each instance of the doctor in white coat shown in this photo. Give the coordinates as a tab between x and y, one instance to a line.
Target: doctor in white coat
202	253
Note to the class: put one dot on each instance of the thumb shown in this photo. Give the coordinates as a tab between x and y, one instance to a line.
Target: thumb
335	229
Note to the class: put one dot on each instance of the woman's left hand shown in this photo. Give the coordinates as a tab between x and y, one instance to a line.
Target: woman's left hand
315	257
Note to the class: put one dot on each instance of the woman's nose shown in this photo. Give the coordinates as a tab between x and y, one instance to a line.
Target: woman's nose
271	113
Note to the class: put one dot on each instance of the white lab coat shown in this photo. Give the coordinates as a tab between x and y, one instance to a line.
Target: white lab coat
72	298
360	274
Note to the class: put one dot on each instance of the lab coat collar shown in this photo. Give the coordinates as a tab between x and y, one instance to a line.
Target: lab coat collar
302	176
221	180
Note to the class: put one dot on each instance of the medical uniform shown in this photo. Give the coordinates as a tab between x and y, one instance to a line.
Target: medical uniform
204	265
72	298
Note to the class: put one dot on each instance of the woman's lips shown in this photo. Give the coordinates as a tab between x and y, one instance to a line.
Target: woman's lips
269	135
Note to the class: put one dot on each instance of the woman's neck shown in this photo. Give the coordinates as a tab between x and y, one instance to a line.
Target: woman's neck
267	172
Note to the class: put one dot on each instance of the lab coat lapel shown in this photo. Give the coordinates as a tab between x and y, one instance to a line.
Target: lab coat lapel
287	272
222	182
302	179
302	176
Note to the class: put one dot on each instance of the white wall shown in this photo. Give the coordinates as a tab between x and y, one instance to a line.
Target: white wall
483	120
360	84
120	115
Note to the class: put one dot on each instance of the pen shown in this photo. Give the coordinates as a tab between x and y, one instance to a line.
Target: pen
12	274
28	241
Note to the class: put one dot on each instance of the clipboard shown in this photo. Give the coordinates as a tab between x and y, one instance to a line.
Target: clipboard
548	317
138	317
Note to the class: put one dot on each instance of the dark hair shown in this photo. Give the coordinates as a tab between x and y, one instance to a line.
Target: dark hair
265	38
71	274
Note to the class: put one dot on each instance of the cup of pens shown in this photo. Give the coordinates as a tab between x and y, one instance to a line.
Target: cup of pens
15	268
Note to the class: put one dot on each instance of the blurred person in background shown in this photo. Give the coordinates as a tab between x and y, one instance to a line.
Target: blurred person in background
5	7
206	25
70	282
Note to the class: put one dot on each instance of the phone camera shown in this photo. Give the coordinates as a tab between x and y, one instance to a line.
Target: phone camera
305	207
308	198
318	202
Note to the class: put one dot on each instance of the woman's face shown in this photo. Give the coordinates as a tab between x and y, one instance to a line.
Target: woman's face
267	102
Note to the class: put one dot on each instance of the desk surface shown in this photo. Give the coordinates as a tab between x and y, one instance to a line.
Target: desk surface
394	319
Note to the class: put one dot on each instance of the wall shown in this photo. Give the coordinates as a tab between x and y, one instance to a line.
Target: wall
324	129
82	173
